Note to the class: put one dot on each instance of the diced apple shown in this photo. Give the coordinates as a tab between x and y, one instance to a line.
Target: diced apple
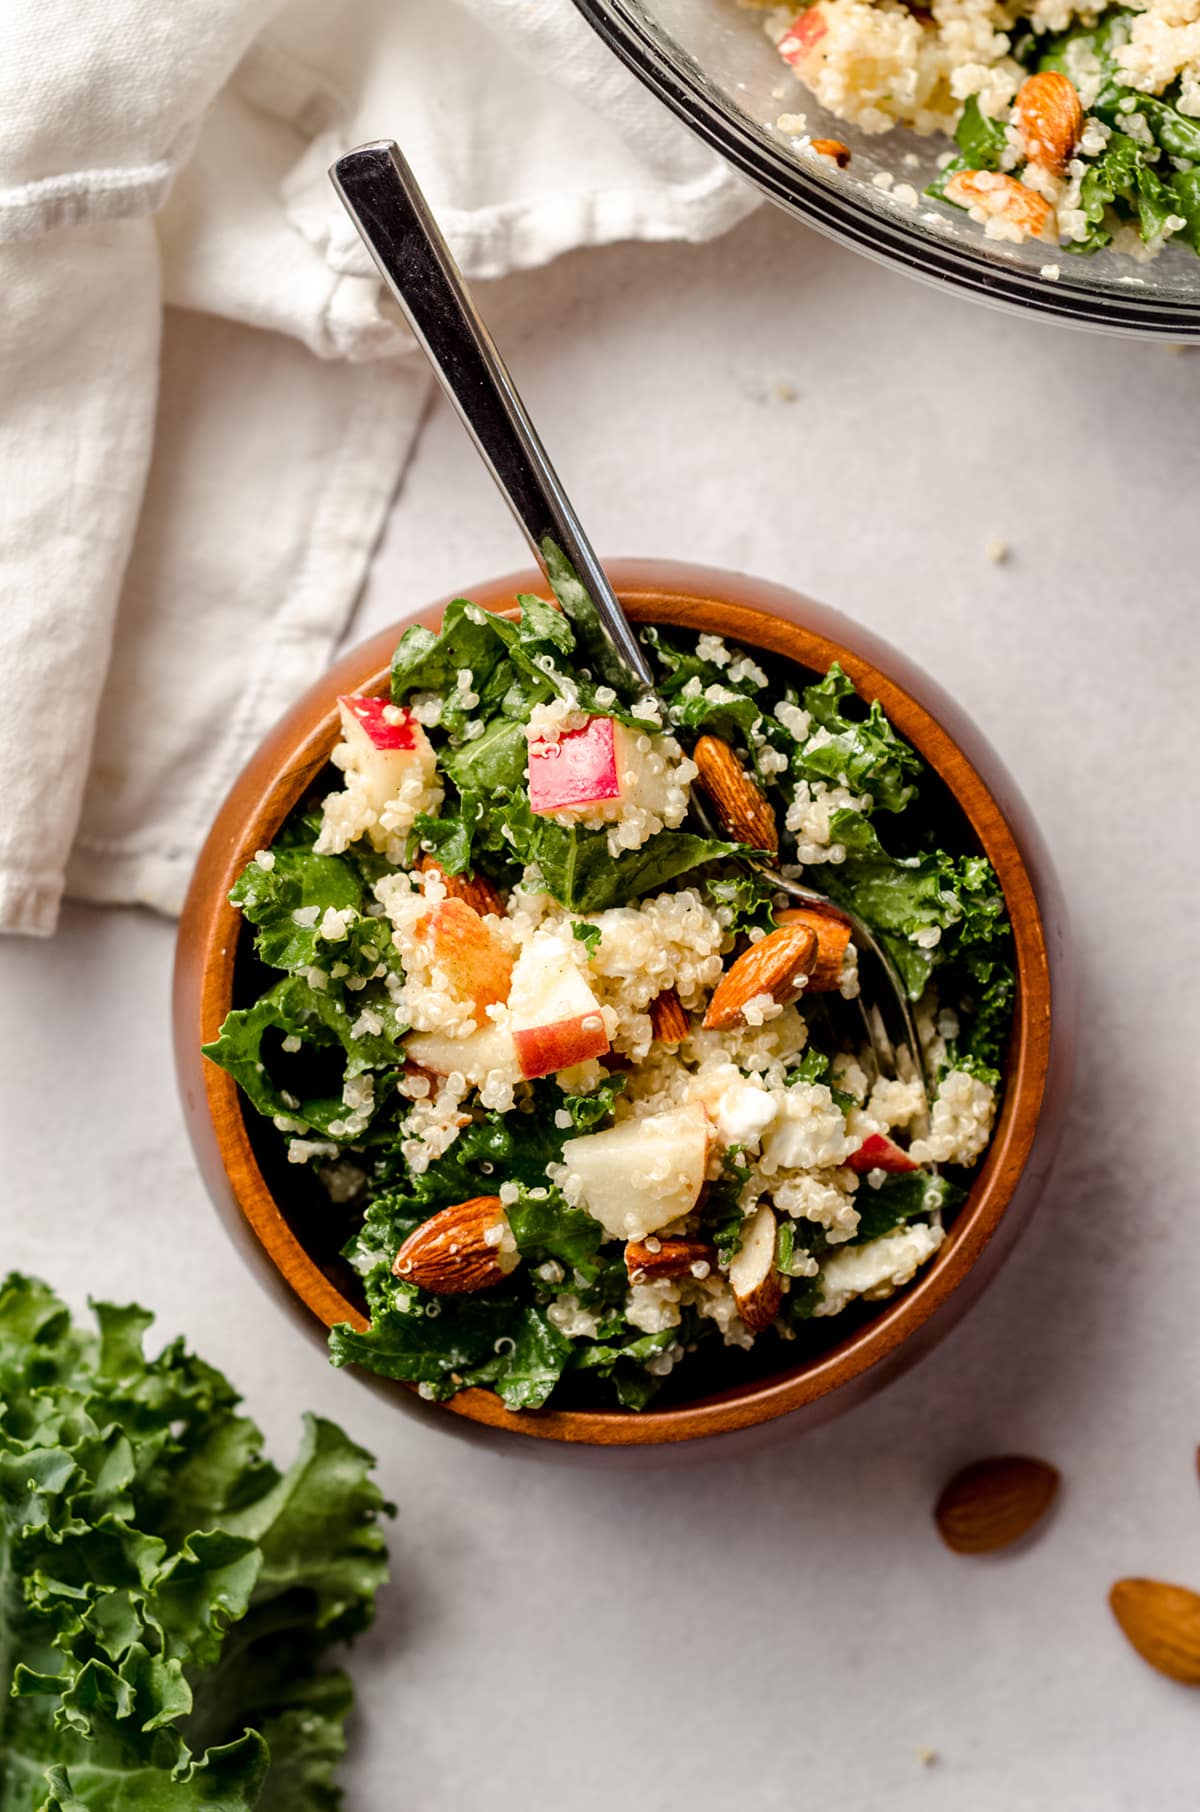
878	1152
475	1057
756	1284
556	1019
597	769
580	769
802	36
476	962
641	1175
384	744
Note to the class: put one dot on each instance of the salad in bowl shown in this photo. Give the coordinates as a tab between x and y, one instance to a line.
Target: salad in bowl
597	1115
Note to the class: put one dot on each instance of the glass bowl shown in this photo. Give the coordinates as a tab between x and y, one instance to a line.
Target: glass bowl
711	61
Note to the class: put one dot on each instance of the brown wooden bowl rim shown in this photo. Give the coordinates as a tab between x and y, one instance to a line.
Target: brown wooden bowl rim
290	759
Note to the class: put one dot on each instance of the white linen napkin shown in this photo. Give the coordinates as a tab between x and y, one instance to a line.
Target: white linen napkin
189	497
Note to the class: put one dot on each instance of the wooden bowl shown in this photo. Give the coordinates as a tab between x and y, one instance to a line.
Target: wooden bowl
287	1244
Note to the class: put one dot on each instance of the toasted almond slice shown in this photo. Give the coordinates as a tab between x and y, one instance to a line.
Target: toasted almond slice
989	193
460	1250
832	934
668	1020
756	1284
648	1261
1163	1624
994	1502
832	148
476	891
742	807
1049	118
778	965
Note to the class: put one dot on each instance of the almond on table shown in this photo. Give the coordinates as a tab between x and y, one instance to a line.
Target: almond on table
994	1502
1163	1624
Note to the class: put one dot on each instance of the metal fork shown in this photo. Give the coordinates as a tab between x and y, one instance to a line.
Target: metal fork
385	202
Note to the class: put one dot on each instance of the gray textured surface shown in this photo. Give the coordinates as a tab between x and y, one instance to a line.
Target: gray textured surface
786	1629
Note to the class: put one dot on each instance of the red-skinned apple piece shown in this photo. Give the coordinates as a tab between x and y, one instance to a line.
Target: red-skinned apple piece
802	35
580	769
385	744
555	1018
878	1152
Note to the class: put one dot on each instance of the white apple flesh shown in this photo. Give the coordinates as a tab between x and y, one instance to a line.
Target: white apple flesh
475	1057
640	1175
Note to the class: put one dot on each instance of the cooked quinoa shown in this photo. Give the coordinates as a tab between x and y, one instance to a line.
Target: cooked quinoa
1075	126
488	945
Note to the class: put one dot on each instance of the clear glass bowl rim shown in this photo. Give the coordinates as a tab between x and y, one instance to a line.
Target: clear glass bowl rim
836	211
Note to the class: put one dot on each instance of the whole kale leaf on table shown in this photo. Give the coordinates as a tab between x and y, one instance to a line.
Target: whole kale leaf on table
166	1595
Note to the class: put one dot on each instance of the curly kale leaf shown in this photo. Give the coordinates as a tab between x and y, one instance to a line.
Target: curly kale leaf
851	743
927	908
167	1597
322	1024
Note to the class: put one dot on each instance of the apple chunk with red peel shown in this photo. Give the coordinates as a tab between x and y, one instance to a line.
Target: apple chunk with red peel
641	1175
596	770
802	36
384	745
756	1284
580	769
878	1152
555	1018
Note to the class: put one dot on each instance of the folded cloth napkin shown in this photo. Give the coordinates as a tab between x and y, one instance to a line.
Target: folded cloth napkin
196	456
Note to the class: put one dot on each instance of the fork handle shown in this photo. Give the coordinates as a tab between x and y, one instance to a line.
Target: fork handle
385	202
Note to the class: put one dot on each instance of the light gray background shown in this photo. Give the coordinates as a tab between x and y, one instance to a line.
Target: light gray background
784	1631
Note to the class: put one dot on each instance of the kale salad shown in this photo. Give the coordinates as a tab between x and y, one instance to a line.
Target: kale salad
1075	126
587	1106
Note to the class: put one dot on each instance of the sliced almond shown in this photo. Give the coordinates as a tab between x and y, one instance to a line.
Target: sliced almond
756	1284
1049	118
465	1248
476	891
778	965
832	934
834	149
994	1502
649	1260
743	809
1163	1624
668	1020
989	194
